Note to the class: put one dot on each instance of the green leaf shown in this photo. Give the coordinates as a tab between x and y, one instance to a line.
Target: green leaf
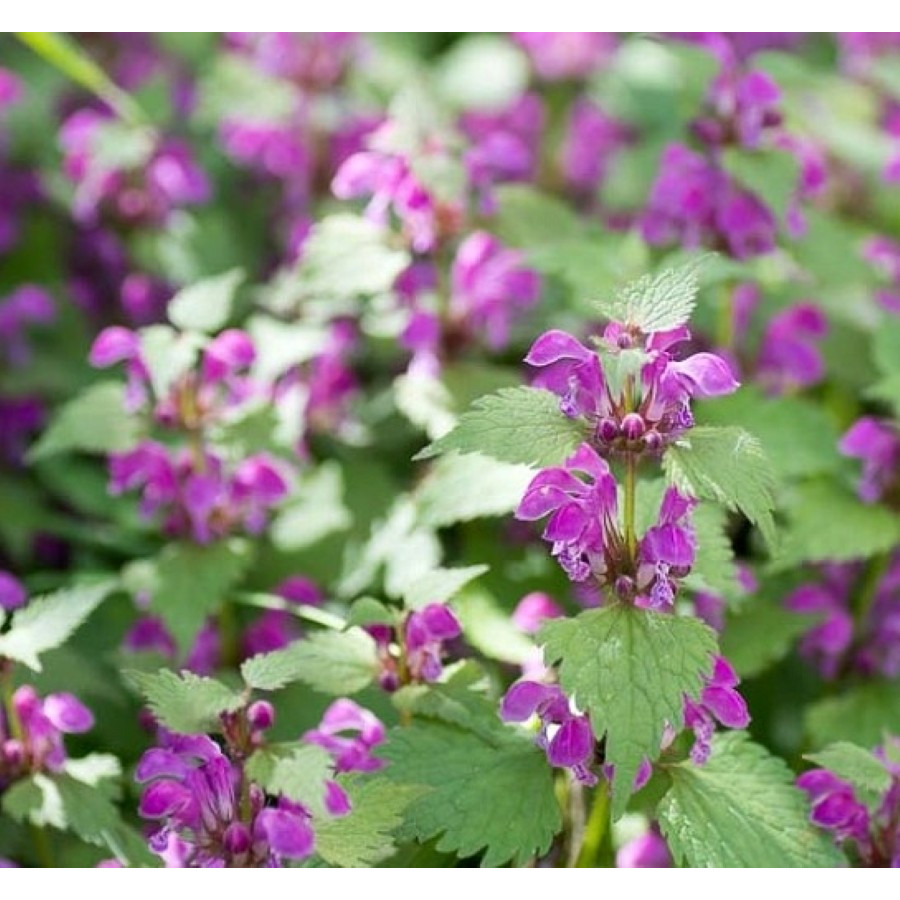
299	771
48	622
369	611
516	425
771	175
761	633
333	662
365	837
93	421
232	86
490	629
631	669
186	703
527	218
865	771
440	585
462	487
316	509
797	435
863	715
168	355
483	71
657	302
205	306
741	810
193	580
727	465
96	769
825	521
497	797
714	569
347	256
886	347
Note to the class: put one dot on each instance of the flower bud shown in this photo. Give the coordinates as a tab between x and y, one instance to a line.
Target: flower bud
633	426
653	441
607	430
624	587
261	715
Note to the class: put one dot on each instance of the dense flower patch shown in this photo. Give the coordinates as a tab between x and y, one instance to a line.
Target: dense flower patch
449	449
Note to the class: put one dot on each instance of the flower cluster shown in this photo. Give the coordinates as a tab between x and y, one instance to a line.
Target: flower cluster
838	643
412	652
872	830
32	729
644	409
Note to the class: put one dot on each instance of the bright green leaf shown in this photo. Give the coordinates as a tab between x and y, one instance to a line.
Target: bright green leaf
771	175
439	585
727	465
863	715
298	771
857	765
631	669
93	421
741	810
515	425
186	703
48	622
206	305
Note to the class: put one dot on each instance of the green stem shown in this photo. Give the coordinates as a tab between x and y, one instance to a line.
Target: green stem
597	831
725	325
630	494
42	847
864	596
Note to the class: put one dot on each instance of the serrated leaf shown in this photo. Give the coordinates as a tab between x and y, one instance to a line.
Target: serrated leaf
365	836
516	425
825	521
440	585
741	810
347	256
497	798
298	771
206	305
657	302
333	662
186	703
771	175
93	421
797	436
727	465
713	569
761	633
456	702
462	487
863	715
48	622
631	669
856	765
192	581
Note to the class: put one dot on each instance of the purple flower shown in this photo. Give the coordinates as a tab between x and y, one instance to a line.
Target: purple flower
425	632
43	724
877	443
10	88
580	499
350	734
835	807
273	149
12	593
719	701
790	357
744	106
694	203
198	796
490	287
505	145
653	409
533	610
559	55
647	851
565	736
592	140
26	306
884	254
666	553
